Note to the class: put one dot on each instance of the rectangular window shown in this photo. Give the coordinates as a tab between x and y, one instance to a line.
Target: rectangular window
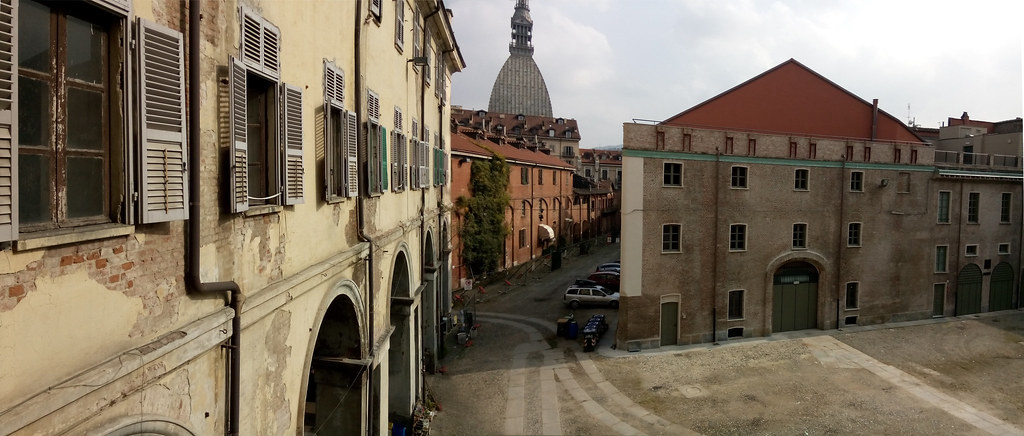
751	147
736	304
687	141
973	199
400	25
376	146
812	151
849	153
398	153
739	177
728	145
867	154
587	173
524	175
940	258
522	238
670	234
660	138
800	235
793	150
853	235
938	299
673	174
971	250
943	217
342	135
1004	248
800	180
913	156
64	162
1005	201
857	181
852	289
897	156
567	151
604	174
903	183
554	177
738	237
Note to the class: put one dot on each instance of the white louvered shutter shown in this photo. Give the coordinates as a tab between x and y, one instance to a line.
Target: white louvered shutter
424	164
163	138
239	147
8	124
352	147
335	156
375	8
400	24
291	138
260	44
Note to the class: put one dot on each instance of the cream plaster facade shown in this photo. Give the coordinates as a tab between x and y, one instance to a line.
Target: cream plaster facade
100	332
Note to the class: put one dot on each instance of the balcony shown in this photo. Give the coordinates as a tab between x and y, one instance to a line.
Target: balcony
981	161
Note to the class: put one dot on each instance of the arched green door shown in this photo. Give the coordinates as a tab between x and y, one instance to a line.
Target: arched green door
968	290
795	297
1000	290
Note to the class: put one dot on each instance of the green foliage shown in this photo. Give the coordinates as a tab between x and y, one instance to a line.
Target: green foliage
484	229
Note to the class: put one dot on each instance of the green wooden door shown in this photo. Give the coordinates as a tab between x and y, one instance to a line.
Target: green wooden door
795	307
1000	290
968	290
669	323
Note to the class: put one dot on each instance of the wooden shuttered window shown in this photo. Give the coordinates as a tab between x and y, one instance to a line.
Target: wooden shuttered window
162	133
341	157
376	6
291	143
398	144
400	24
260	45
237	133
8	123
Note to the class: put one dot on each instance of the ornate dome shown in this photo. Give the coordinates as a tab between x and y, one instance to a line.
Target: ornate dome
519	87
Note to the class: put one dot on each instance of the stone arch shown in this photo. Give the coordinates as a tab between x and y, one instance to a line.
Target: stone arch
143	425
335	370
403	352
820	264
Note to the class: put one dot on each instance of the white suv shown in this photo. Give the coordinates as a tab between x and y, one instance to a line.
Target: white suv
577	296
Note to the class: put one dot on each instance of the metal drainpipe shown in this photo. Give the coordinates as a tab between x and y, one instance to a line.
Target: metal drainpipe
361	217
194	282
714	259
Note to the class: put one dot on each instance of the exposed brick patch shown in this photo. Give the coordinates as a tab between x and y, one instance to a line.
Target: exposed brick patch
119	249
101	263
115	278
93	255
16	291
127	265
78	258
66	260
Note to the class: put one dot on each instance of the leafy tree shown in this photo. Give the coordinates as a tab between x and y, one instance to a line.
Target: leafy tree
484	229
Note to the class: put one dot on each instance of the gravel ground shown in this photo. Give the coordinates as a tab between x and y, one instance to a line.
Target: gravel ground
746	387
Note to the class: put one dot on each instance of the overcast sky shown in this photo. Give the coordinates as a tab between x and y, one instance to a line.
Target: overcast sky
609	61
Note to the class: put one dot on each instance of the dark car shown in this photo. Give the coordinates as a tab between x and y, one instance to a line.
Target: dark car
608	279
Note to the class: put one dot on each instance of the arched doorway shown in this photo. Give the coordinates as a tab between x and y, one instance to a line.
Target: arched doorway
402	353
336	388
968	290
1000	288
795	297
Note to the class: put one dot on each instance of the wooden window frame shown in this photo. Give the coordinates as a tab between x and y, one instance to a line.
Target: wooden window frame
670	176
735	305
856	181
671	238
799	236
737	237
854	234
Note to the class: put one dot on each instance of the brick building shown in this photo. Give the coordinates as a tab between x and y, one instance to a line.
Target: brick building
788	203
254	245
543	209
550	135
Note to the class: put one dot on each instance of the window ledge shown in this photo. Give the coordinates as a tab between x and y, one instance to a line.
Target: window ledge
53	238
262	210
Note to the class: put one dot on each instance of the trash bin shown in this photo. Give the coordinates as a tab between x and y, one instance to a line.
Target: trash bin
573	330
563	327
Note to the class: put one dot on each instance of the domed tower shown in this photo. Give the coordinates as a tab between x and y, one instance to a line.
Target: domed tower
520	87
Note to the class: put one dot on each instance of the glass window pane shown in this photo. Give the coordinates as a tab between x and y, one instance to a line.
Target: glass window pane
34	188
33	113
85	187
85	50
85	120
33	36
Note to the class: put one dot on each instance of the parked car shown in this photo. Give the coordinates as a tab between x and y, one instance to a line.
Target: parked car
576	296
610	266
608	279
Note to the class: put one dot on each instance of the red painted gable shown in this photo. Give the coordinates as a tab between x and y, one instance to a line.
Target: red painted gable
792	98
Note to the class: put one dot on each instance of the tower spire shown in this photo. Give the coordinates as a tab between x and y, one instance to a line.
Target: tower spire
522	30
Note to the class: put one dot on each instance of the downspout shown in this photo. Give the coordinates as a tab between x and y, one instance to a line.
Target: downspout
714	259
361	217
194	282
